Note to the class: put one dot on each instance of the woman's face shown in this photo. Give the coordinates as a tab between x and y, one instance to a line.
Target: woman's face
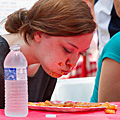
58	55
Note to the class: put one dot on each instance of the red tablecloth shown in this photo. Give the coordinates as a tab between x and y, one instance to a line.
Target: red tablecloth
41	115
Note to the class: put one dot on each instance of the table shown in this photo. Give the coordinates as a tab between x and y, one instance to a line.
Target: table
41	115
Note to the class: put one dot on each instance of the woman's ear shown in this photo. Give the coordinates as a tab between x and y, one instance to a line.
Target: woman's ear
37	36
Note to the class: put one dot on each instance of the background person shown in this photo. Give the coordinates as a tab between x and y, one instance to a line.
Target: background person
107	82
107	16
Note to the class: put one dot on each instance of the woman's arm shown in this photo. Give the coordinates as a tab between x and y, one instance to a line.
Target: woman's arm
109	85
91	5
117	7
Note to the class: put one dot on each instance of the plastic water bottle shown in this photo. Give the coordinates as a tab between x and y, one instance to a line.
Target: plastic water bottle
16	86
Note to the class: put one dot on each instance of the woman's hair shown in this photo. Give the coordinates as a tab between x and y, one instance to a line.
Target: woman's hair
52	17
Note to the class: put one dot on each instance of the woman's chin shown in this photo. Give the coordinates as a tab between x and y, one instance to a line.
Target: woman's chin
56	76
53	74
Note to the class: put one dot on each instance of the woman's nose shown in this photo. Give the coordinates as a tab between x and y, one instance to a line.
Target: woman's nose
71	63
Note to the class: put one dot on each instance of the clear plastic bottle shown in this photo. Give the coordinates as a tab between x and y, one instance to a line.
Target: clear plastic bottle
16	86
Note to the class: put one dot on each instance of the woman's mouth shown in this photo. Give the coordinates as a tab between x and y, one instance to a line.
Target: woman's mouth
65	72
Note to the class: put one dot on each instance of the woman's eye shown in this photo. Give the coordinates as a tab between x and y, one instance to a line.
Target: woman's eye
66	50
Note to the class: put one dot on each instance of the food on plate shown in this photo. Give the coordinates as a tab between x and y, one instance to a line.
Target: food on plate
109	108
47	103
65	104
37	104
109	111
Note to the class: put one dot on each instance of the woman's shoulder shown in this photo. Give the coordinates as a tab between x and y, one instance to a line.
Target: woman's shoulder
3	42
112	48
4	47
114	41
116	36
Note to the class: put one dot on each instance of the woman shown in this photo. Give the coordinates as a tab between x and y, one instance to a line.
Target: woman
52	35
107	83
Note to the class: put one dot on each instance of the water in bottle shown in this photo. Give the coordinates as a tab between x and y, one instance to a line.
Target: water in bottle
16	87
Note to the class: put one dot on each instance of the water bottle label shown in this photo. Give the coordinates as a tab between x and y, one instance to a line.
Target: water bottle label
15	73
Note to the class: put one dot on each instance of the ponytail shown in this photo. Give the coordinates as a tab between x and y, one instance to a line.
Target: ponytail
15	21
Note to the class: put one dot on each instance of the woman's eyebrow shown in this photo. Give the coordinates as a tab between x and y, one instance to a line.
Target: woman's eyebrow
73	45
77	47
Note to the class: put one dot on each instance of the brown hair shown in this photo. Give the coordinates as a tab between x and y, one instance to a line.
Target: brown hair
52	17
